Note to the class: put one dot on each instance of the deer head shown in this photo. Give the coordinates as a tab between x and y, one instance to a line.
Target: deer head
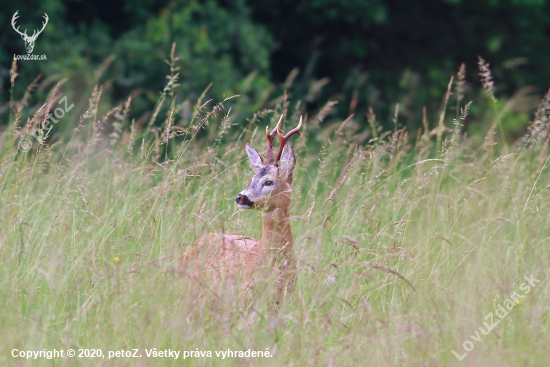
29	40
271	186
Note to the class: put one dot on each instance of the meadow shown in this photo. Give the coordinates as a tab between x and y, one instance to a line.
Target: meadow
406	241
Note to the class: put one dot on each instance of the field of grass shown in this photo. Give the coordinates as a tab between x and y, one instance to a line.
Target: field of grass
405	244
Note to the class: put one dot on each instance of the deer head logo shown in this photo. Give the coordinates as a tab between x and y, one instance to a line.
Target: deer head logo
29	40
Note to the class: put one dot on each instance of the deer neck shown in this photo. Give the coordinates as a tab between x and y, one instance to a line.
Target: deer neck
276	233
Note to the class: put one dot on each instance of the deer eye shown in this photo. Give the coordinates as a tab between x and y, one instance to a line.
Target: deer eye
269	183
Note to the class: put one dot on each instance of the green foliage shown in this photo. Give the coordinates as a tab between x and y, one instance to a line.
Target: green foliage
375	53
371	48
405	238
216	44
402	249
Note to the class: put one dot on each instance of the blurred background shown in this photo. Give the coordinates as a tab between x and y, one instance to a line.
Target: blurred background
388	55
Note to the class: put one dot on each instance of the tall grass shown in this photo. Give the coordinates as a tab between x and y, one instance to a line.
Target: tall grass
404	244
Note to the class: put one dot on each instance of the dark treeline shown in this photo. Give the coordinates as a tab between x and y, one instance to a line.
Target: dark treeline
373	52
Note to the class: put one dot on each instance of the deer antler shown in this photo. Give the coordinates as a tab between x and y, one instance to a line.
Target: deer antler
34	35
24	34
270	137
284	138
15	16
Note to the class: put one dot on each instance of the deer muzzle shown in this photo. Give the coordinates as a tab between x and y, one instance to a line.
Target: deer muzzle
244	202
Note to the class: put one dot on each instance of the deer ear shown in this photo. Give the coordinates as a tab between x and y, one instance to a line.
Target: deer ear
255	160
288	161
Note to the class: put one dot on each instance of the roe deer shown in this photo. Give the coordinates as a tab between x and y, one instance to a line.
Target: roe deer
237	258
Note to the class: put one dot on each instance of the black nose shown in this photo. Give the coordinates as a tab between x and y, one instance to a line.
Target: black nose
244	200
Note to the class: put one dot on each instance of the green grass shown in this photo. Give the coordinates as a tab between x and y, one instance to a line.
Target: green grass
402	247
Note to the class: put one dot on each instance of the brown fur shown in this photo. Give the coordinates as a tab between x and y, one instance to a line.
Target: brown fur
236	259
